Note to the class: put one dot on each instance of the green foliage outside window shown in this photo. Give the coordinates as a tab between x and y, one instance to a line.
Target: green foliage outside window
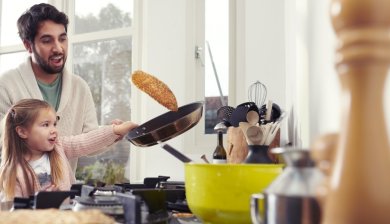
107	172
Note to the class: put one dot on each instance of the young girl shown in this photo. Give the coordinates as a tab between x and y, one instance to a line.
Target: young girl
34	158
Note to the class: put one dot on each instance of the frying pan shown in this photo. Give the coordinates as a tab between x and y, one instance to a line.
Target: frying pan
167	125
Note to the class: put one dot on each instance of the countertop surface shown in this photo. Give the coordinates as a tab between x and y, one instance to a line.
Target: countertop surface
7	206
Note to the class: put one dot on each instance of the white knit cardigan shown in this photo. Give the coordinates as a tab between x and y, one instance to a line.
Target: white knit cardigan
76	110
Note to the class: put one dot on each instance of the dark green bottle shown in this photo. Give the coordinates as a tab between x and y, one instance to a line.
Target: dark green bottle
219	155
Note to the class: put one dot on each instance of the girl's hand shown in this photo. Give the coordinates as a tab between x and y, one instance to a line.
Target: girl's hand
123	128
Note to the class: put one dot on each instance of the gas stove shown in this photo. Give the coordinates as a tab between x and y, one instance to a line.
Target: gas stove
156	200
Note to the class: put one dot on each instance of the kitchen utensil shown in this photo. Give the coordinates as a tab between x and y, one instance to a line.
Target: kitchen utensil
252	117
239	114
272	133
176	153
266	132
220	193
237	145
293	192
258	154
269	111
254	134
279	117
244	127
224	113
204	158
276	112
257	93
166	126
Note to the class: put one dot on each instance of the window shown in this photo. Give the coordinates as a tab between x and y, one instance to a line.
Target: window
109	63
10	60
10	12
217	60
219	34
11	49
101	15
100	51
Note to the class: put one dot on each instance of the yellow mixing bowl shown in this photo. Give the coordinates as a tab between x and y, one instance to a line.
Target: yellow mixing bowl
220	193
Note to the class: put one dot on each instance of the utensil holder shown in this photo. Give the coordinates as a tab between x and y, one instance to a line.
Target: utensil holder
237	147
258	154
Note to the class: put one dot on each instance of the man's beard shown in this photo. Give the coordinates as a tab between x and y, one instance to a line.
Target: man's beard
44	65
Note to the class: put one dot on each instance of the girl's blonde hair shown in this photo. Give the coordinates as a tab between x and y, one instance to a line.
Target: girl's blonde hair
22	114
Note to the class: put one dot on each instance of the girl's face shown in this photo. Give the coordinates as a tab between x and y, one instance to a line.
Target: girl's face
42	134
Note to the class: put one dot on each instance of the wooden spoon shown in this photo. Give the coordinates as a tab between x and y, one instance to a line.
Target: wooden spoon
255	135
244	127
252	117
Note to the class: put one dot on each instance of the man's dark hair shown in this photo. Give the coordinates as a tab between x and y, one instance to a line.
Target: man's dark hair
29	21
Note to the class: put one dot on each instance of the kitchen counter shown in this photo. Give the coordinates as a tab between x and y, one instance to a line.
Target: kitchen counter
192	220
6	206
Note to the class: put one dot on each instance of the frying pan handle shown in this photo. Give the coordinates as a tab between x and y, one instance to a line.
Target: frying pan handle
175	153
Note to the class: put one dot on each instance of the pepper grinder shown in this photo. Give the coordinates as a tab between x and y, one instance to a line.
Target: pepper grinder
359	183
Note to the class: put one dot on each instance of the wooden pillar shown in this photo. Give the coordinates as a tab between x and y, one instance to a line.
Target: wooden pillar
359	184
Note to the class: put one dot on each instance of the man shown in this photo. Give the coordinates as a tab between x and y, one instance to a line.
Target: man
43	30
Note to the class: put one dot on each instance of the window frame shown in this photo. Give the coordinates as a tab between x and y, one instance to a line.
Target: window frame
197	141
69	8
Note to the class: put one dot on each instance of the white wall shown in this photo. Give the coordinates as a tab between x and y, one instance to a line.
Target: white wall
297	88
325	89
324	84
163	33
264	48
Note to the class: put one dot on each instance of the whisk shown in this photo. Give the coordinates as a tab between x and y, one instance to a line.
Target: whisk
257	93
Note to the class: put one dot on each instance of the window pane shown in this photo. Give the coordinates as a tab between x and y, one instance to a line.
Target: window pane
102	15
9	61
217	35
106	66
10	12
